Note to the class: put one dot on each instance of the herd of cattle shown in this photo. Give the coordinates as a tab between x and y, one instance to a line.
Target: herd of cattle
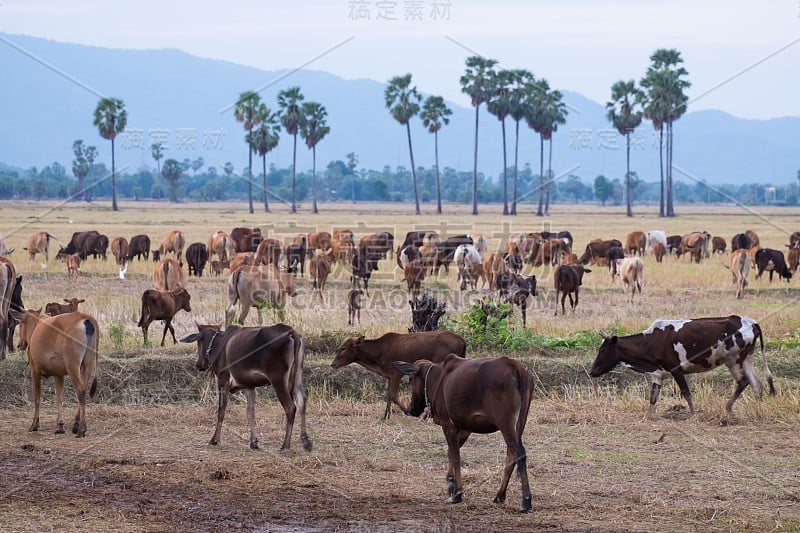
462	395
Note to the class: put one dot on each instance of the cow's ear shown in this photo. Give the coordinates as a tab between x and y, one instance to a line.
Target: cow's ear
81	301
406	368
614	339
67	300
192	337
359	340
15	315
586	270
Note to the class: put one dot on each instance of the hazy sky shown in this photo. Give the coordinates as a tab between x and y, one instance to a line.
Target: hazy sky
743	57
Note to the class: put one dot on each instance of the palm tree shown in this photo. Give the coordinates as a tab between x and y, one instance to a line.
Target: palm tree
110	118
172	172
80	166
535	94
264	140
474	83
157	152
402	101
314	129
246	113
624	112
292	120
520	78
555	113
499	105
434	115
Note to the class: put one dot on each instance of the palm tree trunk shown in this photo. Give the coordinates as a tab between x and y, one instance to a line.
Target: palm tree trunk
314	179
516	159
505	171
549	177
438	185
294	175
264	168
413	169
475	167
628	199
661	212
113	179
250	172
539	212
670	208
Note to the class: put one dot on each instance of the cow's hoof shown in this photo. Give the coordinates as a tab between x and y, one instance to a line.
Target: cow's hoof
34	427
60	428
500	498
213	442
254	444
80	433
450	485
75	427
456	497
526	504
306	443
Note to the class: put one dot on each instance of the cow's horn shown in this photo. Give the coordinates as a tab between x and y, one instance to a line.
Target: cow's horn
604	335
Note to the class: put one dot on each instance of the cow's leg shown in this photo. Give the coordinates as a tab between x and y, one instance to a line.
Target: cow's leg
524	308
393	394
79	424
744	376
59	382
145	327
285	398
655	391
576	299
450	484
167	326
222	403
680	379
300	402
36	380
250	394
454	440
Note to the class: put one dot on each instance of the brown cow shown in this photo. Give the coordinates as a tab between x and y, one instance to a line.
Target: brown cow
568	259
549	251
792	259
475	396
379	244
246	358
695	244
321	240
635	243
631	271
754	240
354	305
4	251
740	266
567	280
55	308
269	252
162	305
169	275
597	248
480	242
242	259
63	345
73	263
173	241
139	246
718	245
217	267
428	254
343	250
414	274
319	268
659	251
121	250
220	243
493	265
8	281
377	355
246	239
39	243
259	287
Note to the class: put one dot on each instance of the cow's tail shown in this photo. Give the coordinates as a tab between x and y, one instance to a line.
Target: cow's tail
764	359
89	365
233	295
144	309
525	389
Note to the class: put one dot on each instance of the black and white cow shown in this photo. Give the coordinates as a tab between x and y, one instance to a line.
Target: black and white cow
771	261
679	347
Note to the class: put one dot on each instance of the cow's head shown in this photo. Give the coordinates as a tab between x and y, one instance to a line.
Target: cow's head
418	374
62	254
209	344
183	299
156	255
27	320
347	352
607	357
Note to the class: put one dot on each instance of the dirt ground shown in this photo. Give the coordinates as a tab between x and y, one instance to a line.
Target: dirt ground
592	469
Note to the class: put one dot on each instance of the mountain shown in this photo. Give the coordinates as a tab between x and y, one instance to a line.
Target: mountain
52	89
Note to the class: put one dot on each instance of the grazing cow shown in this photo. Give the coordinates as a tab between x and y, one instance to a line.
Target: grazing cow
380	244
162	305
475	396
741	241
597	248
100	247
173	241
246	358
246	239
217	267
121	250
468	262
140	246
447	250
296	255
567	280
4	251
377	355
261	287
679	347
772	261
242	259
674	244
169	275
55	308
739	261
614	254
654	236
548	251
363	264
659	251
695	244
16	305
414	274
493	265
73	263
84	244
565	236
343	235
792	259
269	252
513	261
58	346
429	256
221	244
354	306
320	268
568	259
320	240
753	237
718	245
480	242
343	250
406	255
516	289
8	280
39	243
635	243
196	258
631	271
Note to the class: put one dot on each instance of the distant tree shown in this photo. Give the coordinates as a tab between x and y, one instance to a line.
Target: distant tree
245	112
314	129
264	140
197	164
475	84
520	79
157	151
172	172
499	105
80	166
434	115
554	112
535	117
402	101
90	153
603	189
625	114
228	169
352	162
186	164
110	118
574	187
292	120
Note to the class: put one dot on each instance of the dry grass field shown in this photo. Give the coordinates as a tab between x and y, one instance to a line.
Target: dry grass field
595	463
